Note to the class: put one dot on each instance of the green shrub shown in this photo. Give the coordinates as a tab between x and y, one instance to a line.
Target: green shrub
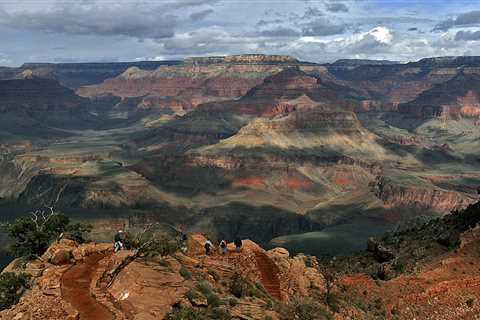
192	294
77	232
185	273
471	302
239	287
303	309
333	302
213	300
33	235
12	287
232	302
219	314
186	313
205	288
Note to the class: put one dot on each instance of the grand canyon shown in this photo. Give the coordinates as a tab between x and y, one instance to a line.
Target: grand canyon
247	160
315	158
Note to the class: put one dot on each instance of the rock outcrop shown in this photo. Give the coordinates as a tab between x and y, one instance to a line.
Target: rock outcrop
396	195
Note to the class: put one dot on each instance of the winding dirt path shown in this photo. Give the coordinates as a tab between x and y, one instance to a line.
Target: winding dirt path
269	271
76	290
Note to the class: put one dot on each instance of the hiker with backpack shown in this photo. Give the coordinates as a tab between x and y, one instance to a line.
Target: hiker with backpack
208	247
223	246
119	241
238	244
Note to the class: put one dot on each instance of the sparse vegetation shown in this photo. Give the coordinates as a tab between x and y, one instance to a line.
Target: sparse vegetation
192	294
185	273
12	287
33	235
471	302
241	287
303	309
185	313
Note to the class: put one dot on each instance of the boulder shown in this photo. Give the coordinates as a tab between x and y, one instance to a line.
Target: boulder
278	252
384	254
61	256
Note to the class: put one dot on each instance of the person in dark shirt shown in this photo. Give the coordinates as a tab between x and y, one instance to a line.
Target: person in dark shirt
238	244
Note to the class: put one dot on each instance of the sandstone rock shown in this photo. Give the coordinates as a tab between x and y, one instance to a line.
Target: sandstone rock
199	302
61	256
12	266
35	268
279	252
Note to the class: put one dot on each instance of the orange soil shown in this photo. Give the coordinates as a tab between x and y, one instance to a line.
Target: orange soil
76	290
299	184
444	289
250	181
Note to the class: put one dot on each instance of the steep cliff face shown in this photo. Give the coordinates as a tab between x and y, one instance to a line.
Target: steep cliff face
75	75
221	80
395	195
455	99
394	84
36	104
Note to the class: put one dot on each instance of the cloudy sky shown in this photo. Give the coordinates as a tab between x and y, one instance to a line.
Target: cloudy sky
313	30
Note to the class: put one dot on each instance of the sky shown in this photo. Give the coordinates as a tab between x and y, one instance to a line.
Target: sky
309	30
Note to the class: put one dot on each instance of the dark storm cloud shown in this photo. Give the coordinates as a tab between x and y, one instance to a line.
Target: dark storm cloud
337	7
467	36
464	19
82	20
412	29
138	19
197	16
323	27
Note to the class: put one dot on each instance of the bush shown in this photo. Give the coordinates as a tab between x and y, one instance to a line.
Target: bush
213	300
150	244
232	302
192	295
239	287
12	287
332	302
303	309
471	302
185	273
205	288
33	235
77	232
185	313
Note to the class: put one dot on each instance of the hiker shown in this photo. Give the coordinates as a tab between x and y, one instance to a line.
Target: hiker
223	246
183	241
208	247
238	244
119	240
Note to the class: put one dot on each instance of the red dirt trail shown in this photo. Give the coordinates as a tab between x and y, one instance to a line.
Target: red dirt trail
76	290
269	271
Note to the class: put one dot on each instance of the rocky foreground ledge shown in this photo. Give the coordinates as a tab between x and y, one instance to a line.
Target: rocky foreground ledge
89	281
